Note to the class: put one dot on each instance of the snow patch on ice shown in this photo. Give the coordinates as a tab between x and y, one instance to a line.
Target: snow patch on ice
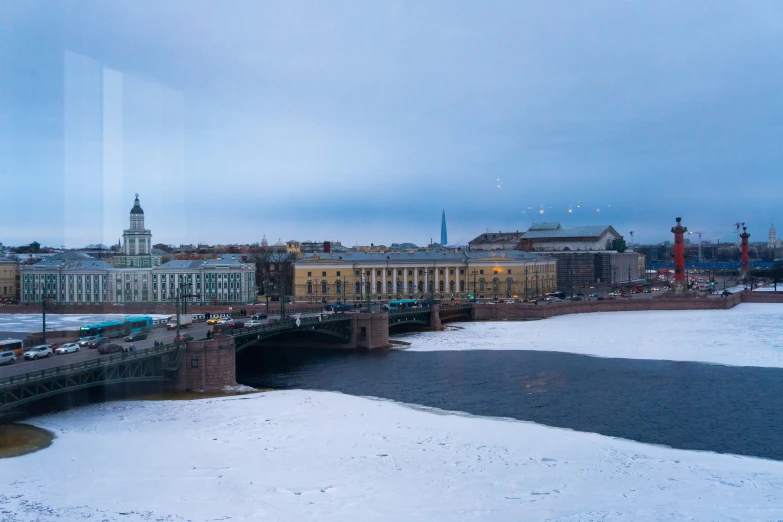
240	388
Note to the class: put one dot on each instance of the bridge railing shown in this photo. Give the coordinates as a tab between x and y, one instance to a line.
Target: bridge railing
287	324
410	310
61	371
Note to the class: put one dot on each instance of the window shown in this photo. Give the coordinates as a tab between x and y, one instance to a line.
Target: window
410	272
377	272
323	274
462	286
481	285
323	287
399	272
462	271
358	273
441	285
421	272
338	274
378	287
509	271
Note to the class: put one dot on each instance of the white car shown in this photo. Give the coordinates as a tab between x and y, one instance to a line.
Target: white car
251	324
8	357
67	348
509	301
43	350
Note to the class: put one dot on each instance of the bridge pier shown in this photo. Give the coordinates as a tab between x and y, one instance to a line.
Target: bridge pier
369	331
207	365
435	322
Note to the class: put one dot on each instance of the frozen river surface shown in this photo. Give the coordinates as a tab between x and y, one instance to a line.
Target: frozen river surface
300	455
746	335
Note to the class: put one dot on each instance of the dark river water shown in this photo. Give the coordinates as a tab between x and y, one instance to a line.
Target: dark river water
684	405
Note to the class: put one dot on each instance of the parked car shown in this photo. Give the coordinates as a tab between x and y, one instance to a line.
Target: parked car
84	341
67	348
107	348
136	336
43	350
8	357
258	317
184	337
97	343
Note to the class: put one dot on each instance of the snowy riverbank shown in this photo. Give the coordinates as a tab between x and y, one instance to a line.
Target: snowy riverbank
746	335
300	455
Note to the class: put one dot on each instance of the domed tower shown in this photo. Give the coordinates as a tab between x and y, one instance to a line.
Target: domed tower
137	239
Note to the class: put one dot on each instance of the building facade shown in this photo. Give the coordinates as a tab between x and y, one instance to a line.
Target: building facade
355	276
75	277
581	269
8	280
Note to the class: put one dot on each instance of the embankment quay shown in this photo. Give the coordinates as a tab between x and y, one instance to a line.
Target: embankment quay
210	364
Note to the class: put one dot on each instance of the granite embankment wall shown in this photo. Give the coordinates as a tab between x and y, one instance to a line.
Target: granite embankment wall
521	312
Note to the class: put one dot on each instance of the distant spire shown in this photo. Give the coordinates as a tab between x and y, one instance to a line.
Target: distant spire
444	238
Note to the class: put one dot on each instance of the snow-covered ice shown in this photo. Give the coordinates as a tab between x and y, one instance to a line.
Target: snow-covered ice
746	335
302	455
32	322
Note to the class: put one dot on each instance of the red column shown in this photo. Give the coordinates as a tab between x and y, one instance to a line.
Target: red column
679	251
745	258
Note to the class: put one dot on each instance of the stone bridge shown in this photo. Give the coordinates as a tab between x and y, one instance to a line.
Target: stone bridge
211	364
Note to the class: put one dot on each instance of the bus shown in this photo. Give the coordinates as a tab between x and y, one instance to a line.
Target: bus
403	304
12	344
337	308
141	323
108	329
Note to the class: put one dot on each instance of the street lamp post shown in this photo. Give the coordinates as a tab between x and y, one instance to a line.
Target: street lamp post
536	274
475	289
526	284
46	297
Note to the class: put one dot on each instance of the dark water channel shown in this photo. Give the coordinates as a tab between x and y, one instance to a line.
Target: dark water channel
683	405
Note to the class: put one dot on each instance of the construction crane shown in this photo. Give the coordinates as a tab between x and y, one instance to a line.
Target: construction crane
699	234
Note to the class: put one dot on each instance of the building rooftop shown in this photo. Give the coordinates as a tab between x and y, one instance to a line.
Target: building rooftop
497	237
417	256
69	261
553	230
195	264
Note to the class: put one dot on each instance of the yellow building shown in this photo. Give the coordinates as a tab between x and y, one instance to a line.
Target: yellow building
416	274
8	280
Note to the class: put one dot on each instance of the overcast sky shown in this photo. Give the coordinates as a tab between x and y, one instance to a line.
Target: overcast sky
360	121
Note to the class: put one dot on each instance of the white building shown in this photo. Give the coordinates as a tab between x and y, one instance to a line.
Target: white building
75	277
137	242
551	236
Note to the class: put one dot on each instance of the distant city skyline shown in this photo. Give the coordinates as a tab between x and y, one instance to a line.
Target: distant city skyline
302	120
